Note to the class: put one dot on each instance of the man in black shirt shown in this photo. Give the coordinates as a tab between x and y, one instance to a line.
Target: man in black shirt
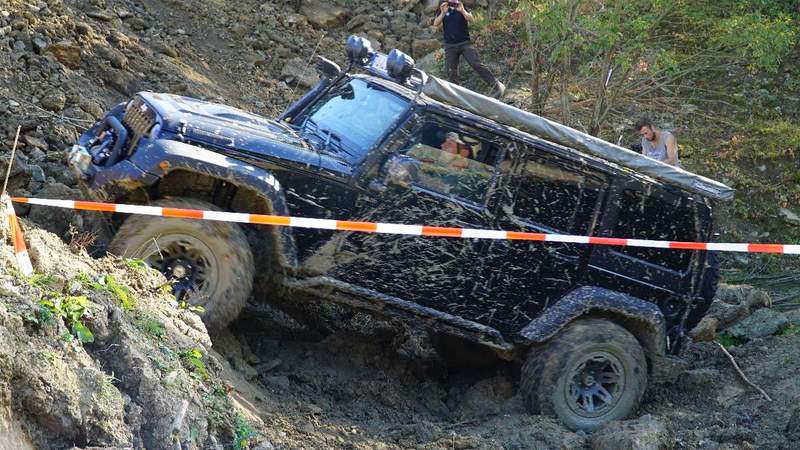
454	18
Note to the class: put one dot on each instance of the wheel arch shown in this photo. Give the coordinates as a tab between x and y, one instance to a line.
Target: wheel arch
183	170
642	319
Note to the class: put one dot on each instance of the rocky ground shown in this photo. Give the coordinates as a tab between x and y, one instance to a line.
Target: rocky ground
150	377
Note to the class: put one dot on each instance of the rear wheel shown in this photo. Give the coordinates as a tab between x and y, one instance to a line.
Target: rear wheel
209	264
592	372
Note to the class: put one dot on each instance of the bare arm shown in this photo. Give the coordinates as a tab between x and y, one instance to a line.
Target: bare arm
467	15
672	151
437	22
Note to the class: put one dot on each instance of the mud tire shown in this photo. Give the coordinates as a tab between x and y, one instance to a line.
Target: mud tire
225	243
550	368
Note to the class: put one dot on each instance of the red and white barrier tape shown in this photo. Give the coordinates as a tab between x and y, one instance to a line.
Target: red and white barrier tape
392	228
23	260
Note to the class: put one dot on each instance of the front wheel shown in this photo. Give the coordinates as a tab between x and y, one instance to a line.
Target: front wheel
591	373
209	263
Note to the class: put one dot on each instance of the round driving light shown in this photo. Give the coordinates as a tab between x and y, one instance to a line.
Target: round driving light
358	49
399	65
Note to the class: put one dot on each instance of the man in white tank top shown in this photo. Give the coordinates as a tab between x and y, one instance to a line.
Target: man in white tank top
658	144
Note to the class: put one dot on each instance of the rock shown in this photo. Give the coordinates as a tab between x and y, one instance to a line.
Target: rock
794	317
35	142
792	429
165	49
39	44
115	57
278	381
706	330
83	28
699	378
358	22
790	216
422	47
101	15
37	155
66	53
297	70
644	433
53	100
121	81
764	322
37	174
323	14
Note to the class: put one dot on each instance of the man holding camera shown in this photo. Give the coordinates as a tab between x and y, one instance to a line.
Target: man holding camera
454	19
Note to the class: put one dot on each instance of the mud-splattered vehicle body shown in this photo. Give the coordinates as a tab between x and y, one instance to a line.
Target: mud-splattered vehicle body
591	323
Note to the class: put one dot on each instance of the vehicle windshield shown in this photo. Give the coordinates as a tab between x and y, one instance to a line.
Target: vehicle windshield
352	118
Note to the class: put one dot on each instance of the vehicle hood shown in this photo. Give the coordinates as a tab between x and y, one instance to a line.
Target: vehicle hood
233	131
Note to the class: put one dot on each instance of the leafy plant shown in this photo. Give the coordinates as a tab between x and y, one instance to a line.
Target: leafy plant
108	284
72	310
135	264
194	359
729	341
243	433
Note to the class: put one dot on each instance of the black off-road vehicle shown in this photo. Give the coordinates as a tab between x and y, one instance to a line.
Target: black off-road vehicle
591	324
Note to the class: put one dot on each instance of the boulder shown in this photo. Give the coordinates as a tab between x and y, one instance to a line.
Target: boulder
764	322
790	216
706	330
66	53
324	15
54	100
299	71
644	433
422	47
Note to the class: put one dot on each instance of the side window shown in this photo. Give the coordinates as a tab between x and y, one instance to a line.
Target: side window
646	217
556	193
452	162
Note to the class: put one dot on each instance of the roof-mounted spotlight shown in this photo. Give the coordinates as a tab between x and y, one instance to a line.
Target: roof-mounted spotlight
399	65
359	49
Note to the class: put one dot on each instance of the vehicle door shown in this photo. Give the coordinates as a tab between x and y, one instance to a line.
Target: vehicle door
447	189
546	193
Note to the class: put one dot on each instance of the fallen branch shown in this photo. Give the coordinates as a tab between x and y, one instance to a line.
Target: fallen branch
11	160
178	423
741	374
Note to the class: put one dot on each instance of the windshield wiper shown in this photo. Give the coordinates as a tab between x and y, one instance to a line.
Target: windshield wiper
335	142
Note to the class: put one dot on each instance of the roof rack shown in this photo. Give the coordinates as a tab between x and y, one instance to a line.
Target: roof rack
399	68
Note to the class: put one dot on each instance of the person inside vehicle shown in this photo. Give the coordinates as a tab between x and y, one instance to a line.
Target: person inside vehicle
656	143
454	20
451	142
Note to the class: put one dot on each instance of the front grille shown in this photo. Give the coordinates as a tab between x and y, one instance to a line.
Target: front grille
139	120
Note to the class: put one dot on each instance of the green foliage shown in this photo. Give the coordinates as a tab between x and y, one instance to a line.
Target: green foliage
729	341
792	329
193	358
197	309
72	310
120	293
243	433
40	280
763	41
135	264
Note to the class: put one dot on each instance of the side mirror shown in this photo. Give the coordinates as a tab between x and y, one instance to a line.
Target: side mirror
327	68
401	171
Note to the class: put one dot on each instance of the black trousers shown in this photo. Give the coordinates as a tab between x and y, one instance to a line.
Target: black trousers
452	57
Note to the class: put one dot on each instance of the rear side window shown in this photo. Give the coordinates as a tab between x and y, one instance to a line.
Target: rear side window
646	217
556	193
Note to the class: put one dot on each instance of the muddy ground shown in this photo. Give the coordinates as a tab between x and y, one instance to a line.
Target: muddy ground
270	382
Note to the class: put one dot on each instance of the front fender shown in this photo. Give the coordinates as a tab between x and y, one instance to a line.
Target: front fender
644	317
155	159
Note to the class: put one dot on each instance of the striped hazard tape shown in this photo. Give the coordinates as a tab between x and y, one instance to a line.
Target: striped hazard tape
21	251
393	228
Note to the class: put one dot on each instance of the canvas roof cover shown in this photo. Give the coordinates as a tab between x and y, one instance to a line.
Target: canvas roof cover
484	106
